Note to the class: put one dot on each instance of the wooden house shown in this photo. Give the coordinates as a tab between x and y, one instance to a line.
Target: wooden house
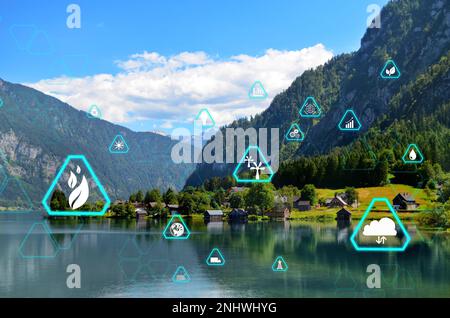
213	215
404	201
343	215
279	212
238	215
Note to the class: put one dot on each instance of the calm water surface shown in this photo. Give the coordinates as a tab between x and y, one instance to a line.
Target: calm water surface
121	258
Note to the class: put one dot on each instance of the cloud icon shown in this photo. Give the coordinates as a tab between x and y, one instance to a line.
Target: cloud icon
383	227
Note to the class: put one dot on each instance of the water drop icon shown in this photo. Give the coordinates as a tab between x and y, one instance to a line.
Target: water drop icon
412	155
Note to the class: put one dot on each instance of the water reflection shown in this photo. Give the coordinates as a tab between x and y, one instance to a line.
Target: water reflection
130	258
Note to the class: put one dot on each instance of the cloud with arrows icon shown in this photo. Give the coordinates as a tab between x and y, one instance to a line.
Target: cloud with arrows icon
383	227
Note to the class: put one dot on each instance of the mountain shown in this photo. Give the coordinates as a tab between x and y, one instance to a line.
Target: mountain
37	132
416	35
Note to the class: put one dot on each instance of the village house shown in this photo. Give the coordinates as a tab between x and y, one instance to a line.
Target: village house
238	215
404	201
337	202
213	215
343	215
140	213
302	205
279	212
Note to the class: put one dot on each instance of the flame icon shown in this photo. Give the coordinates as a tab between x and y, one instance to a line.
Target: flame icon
80	194
412	155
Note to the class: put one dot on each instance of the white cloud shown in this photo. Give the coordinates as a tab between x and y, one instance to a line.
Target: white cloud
384	227
172	90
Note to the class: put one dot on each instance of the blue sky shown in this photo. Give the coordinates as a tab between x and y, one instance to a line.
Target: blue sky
115	30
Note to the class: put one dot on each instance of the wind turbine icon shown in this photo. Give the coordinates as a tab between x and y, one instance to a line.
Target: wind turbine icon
257	168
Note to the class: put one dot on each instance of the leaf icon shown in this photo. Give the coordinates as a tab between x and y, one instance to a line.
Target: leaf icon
72	182
392	70
79	196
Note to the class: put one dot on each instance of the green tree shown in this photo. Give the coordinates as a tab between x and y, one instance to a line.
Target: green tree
153	196
260	197
309	194
237	200
132	197
140	196
351	195
58	201
187	203
170	197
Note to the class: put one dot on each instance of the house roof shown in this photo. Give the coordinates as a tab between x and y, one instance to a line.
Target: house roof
340	200
173	206
406	196
299	202
141	211
215	212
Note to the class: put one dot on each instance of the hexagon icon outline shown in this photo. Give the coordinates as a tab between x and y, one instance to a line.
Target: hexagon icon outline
215	250
124	151
295	125
236	176
345	116
76	213
1	102
204	110
52	240
315	104
419	153
176	216
275	264
250	92
380	249
185	274
384	68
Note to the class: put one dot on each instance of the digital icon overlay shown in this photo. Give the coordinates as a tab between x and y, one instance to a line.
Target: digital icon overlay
119	145
349	121
176	229
295	133
76	190
310	108
181	275
253	167
390	70
279	265
215	258
380	233
412	155
94	112
257	91
204	116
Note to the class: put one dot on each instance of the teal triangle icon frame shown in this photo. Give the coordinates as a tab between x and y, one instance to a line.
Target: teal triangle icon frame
215	250
179	219
375	248
242	161
118	143
383	70
263	90
94	108
419	154
205	111
308	100
75	212
181	271
291	135
356	126
280	260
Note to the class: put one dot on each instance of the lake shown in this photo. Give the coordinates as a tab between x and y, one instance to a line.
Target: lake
129	258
